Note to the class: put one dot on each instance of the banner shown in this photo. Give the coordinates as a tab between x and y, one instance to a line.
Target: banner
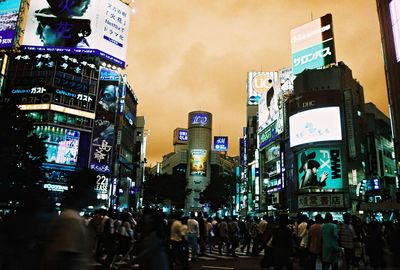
221	143
198	162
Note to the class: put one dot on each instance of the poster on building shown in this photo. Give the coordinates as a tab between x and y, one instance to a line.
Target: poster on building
221	143
313	45
180	136
104	124
9	10
98	27
259	82
198	162
320	168
270	99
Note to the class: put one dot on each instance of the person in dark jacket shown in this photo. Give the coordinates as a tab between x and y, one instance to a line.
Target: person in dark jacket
282	243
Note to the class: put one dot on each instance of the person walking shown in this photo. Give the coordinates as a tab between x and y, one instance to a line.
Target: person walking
246	235
375	246
177	242
223	234
193	234
346	239
315	244
330	244
233	232
282	244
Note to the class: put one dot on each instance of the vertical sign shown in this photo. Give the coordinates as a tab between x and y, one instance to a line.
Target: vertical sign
198	162
104	125
221	143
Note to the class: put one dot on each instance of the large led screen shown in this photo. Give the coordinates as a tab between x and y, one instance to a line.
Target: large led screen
198	162
394	7
320	168
317	125
9	10
62	144
98	27
313	45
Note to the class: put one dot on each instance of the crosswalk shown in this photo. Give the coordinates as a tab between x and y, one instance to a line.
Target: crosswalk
225	256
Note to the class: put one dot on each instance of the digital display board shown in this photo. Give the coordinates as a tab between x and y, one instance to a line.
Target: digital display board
96	27
62	144
313	45
320	168
198	162
200	119
9	10
268	106
259	83
316	125
104	124
221	143
394	7
180	136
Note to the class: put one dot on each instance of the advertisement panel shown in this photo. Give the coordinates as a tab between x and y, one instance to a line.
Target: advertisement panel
9	10
221	143
104	124
286	78
394	7
258	83
335	200
316	125
62	144
268	135
198	162
313	44
79	27
267	85
200	119
181	136
320	168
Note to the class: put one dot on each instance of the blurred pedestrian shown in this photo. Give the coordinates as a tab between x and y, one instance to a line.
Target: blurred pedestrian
282	244
330	243
246	235
69	242
177	246
233	235
223	234
375	246
315	247
193	234
346	239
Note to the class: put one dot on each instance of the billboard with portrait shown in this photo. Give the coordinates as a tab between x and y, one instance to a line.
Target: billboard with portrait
9	10
320	168
313	44
258	83
62	144
198	162
221	143
104	124
98	27
316	125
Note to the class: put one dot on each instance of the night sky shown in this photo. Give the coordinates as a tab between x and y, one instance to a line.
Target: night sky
187	55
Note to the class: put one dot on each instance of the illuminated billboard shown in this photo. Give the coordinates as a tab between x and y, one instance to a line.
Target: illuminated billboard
221	143
313	45
320	168
316	125
9	10
98	27
268	106
259	83
104	124
394	7
286	78
198	162
62	144
180	136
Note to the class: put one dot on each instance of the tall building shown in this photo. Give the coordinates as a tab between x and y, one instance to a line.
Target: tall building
328	139
389	19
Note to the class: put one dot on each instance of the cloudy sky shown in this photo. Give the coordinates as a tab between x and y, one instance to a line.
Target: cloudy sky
187	55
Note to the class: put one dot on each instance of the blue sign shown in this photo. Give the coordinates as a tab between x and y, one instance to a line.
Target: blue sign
200	119
182	135
221	143
9	10
109	75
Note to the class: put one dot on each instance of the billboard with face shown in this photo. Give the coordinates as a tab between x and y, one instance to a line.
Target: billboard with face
221	143
104	124
269	102
98	27
313	45
9	10
259	83
320	168
198	162
316	125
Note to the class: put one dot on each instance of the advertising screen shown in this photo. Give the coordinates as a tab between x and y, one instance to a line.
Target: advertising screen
221	143
98	27
394	7
313	44
104	124
320	168
268	106
316	125
259	83
198	162
9	10
62	144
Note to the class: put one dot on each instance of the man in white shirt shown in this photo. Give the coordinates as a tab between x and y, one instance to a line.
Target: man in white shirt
193	233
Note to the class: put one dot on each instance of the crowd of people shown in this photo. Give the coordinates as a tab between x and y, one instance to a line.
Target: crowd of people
34	238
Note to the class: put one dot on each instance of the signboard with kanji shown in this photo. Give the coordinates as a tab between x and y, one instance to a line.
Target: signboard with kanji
322	200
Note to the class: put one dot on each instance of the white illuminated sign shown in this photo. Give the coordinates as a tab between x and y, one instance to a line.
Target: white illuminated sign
317	125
